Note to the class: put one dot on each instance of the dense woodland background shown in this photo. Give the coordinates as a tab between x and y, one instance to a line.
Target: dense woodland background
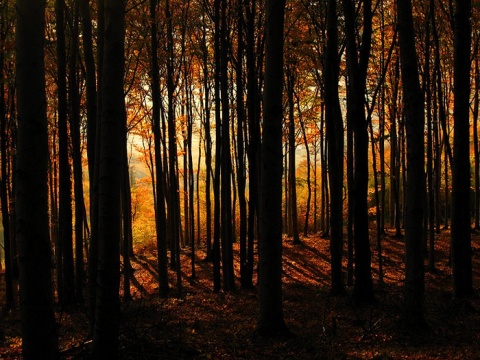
157	156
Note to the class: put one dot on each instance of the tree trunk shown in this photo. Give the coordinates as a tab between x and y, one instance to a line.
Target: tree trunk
161	217
36	292
413	309
271	322
335	143
65	273
77	157
291	157
226	166
105	337
5	176
94	209
357	64
460	234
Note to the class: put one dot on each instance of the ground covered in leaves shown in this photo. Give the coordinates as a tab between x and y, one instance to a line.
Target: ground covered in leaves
200	324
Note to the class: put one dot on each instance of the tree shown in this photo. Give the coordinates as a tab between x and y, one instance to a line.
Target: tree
460	235
334	128
413	306
161	217
4	173
271	320
65	274
36	293
357	65
112	134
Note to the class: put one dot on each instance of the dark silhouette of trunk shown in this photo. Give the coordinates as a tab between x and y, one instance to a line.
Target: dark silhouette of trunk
334	129
94	209
253	151
357	64
476	105
36	292
174	200
430	189
160	211
208	146
90	80
246	280
5	175
309	171
292	189
394	154
413	307
127	235
112	136
271	322
76	157
461	218
226	161
65	266
217	284
191	187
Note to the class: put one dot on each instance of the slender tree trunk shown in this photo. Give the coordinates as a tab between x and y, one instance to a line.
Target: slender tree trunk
161	217
65	237
174	203
105	337
357	64
415	191
226	167
246	281
476	105
94	209
460	234
335	142
291	156
271	320
36	292
77	158
5	175
126	203
253	151
217	282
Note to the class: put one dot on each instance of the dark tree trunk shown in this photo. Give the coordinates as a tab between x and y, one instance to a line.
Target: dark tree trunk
292	189
413	309
460	235
5	175
36	292
357	65
105	337
217	282
161	217
127	235
476	105
65	273
94	209
246	280
253	151
174	200
226	161
77	157
335	142
271	322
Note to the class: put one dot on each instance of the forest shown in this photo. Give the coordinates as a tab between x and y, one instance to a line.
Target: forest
239	179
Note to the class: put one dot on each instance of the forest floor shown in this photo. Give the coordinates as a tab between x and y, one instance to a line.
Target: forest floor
201	324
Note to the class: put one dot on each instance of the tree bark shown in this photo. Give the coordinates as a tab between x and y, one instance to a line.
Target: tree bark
413	307
36	292
335	143
271	321
460	234
105	337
